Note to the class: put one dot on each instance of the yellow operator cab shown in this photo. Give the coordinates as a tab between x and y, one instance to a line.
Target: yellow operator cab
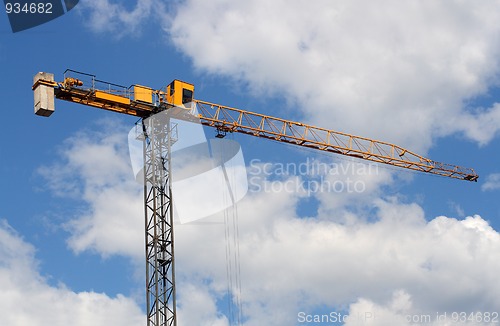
180	93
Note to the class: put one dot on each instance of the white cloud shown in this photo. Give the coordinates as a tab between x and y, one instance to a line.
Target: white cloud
482	126
27	299
205	303
112	16
290	265
394	70
492	182
95	168
398	311
457	209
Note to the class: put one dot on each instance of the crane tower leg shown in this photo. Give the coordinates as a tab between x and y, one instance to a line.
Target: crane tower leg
160	272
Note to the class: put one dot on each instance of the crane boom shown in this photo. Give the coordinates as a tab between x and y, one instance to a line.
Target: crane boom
144	102
229	119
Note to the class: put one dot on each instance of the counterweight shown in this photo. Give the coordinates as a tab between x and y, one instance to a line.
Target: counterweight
145	102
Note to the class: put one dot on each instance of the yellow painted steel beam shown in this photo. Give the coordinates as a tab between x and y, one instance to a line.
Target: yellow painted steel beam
111	98
103	100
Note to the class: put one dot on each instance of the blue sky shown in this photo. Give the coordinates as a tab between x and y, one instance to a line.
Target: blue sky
421	75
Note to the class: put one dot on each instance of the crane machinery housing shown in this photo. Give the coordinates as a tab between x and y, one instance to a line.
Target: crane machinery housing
144	102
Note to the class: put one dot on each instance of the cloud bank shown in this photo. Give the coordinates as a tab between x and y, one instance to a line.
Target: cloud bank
406	68
378	254
27	299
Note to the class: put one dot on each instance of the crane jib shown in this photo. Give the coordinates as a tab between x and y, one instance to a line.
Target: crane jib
143	101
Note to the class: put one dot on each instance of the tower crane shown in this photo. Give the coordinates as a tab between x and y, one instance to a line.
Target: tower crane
144	102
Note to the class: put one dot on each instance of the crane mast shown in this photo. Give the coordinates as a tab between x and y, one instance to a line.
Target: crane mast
158	208
144	102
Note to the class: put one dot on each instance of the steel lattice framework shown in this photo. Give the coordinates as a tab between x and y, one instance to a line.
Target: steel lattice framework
158	137
227	119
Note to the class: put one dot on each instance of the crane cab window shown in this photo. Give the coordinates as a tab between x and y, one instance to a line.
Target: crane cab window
187	96
171	88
